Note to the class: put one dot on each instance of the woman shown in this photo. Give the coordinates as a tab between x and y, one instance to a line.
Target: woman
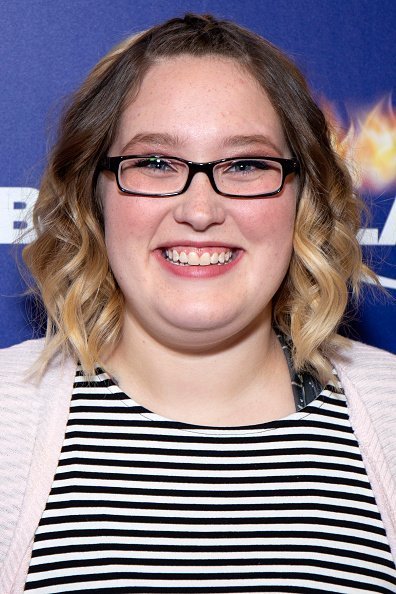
195	249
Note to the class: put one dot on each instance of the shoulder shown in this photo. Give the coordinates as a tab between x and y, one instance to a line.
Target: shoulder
16	360
367	367
368	376
357	350
17	377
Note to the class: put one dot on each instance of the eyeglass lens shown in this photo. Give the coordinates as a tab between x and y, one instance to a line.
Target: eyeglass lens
242	177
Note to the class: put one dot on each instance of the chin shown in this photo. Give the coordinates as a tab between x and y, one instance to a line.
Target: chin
202	318
193	333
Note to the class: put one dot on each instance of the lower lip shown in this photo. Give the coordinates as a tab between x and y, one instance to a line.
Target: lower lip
198	272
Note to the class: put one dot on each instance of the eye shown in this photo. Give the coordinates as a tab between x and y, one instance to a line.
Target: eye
153	163
247	166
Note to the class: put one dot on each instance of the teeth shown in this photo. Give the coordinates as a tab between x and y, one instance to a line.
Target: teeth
204	260
194	259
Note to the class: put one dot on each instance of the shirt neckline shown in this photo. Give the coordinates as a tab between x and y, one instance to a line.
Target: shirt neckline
307	391
209	430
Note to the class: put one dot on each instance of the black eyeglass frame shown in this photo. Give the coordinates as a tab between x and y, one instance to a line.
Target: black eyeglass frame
289	166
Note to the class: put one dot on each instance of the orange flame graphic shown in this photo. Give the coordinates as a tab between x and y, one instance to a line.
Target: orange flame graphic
369	145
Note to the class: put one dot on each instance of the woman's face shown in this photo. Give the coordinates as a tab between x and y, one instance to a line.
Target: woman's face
200	109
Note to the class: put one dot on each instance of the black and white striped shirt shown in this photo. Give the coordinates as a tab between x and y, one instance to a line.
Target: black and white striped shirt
143	504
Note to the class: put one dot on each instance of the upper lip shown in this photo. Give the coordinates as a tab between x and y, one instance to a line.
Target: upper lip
198	244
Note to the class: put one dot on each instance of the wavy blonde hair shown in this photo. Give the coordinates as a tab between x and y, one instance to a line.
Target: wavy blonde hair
68	258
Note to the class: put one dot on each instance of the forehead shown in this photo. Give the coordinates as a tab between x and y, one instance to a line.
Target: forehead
200	99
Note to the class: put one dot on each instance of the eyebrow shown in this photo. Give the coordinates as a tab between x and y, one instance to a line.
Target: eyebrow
248	139
173	140
154	138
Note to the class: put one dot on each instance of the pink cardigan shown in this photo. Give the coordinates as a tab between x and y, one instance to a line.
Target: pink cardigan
33	419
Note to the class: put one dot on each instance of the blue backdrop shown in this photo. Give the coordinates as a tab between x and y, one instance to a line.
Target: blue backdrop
345	48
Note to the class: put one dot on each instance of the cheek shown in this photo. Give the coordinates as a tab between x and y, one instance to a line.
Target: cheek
128	230
130	222
269	222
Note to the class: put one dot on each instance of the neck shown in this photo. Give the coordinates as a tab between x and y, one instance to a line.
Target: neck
245	381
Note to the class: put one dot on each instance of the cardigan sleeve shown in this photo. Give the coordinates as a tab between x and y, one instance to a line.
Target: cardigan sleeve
368	376
33	416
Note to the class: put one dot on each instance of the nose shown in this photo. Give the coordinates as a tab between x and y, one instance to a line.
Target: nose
200	206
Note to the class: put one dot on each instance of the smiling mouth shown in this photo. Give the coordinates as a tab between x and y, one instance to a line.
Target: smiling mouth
202	257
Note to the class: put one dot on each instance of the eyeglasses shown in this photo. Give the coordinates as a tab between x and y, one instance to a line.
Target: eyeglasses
154	175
